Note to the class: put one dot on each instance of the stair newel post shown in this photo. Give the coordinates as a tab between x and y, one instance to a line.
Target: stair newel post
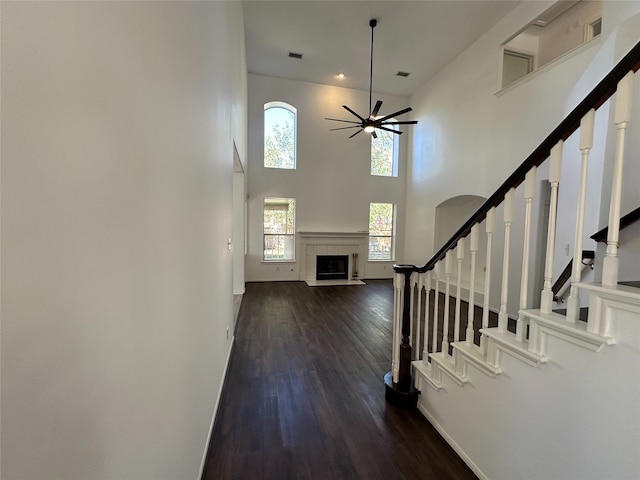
529	193
399	390
445	325
622	118
425	352
586	143
413	326
488	225
555	169
436	306
473	248
404	370
418	280
459	258
503	317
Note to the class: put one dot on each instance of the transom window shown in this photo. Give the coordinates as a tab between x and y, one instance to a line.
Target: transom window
381	231
384	153
280	135
279	229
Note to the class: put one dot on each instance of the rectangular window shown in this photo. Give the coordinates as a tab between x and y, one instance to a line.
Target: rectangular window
381	231
279	229
384	153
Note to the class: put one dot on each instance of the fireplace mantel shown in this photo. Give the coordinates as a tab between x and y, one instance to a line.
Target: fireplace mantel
334	234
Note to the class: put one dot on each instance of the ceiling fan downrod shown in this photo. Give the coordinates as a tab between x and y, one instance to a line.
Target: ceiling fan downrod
372	23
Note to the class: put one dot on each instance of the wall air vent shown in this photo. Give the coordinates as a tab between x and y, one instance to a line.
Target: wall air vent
403	74
295	55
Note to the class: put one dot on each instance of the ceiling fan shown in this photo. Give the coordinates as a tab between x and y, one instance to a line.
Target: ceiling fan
371	122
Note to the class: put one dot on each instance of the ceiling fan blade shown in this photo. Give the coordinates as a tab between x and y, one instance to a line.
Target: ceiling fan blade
396	114
343	128
408	122
373	134
398	132
355	133
352	112
338	120
376	109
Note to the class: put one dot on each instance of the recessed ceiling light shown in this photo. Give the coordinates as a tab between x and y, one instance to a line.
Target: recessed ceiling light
340	75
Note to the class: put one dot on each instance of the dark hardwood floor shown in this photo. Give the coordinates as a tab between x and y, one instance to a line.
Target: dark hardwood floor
304	395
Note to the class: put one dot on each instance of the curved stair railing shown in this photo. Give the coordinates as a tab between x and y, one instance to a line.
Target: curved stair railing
427	330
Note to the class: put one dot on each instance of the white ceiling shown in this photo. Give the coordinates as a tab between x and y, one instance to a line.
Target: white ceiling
419	36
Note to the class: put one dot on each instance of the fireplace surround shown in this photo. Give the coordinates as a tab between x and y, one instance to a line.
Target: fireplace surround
314	244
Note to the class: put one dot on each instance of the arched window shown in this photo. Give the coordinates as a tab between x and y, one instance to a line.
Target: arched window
384	153
279	135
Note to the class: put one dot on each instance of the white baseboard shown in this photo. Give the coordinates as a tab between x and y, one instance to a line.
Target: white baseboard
215	409
461	453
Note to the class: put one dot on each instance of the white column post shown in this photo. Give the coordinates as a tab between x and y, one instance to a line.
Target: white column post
398	288
503	317
420	282
425	352
622	117
413	313
445	324
586	143
529	193
459	258
473	248
555	169
488	224
436	302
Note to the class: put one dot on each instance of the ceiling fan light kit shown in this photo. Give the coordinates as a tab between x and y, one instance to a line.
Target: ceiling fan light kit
371	122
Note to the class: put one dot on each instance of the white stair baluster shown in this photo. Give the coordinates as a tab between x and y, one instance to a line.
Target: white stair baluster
488	225
586	143
425	352
555	168
622	117
420	283
473	248
459	258
529	193
445	324
414	330
398	288
503	317
436	304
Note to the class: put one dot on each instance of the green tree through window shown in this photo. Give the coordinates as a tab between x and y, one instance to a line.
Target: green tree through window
381	231
279	135
384	154
279	228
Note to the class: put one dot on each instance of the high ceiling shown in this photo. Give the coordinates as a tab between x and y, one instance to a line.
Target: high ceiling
419	37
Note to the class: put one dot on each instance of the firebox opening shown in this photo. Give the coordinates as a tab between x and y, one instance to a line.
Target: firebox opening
332	267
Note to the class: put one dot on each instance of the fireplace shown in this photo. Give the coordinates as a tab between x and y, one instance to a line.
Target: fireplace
332	267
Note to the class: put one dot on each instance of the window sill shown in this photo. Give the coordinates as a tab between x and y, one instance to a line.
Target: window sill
271	262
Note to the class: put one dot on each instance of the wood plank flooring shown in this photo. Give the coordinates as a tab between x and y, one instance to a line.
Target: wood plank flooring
304	396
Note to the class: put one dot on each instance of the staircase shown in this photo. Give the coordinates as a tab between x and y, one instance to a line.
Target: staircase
542	394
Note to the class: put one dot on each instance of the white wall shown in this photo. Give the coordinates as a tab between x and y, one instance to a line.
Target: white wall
332	184
118	123
469	138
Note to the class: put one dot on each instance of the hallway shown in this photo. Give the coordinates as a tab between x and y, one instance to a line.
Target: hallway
304	396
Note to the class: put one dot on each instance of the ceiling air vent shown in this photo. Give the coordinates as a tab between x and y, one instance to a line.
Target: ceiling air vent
295	55
403	74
